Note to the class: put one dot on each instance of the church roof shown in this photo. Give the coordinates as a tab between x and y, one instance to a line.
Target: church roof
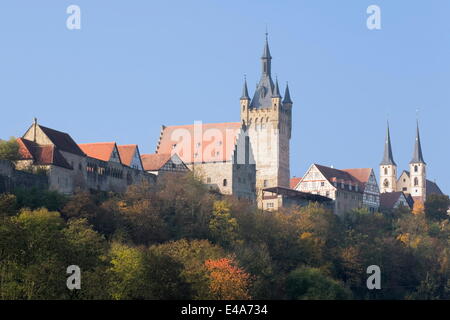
388	158
206	142
433	188
417	154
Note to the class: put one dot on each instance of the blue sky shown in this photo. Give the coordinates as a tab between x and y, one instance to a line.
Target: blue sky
138	64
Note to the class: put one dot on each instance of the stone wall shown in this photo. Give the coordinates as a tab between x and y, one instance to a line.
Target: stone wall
10	178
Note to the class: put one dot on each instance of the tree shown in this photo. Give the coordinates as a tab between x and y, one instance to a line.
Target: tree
9	150
436	207
192	255
307	283
127	273
223	227
8	204
227	281
418	207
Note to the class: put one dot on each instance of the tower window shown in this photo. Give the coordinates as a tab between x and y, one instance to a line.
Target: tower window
265	183
224	182
416	181
386	183
416	168
385	171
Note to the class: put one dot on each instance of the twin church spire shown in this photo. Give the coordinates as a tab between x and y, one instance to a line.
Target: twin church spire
388	157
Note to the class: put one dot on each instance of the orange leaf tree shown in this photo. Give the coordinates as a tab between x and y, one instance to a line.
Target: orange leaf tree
227	281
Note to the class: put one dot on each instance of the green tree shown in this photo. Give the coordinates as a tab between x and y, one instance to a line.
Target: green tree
9	149
8	204
436	207
307	283
223	226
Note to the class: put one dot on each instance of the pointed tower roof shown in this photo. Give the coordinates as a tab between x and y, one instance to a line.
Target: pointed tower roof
266	52
262	97
388	158
287	95
245	95
417	154
276	90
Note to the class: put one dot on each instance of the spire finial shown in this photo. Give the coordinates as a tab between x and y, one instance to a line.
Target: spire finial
35	120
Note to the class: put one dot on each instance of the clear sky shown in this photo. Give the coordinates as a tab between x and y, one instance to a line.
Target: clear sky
138	64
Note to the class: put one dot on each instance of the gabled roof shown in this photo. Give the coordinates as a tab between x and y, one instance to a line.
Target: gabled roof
294	182
62	140
361	174
433	188
155	161
100	150
41	155
217	141
127	153
389	199
339	176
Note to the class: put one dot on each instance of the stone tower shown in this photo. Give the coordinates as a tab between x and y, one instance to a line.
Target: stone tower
388	167
268	121
417	168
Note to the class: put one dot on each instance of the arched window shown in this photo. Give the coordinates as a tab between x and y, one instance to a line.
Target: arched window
224	182
416	168
385	171
416	181
386	183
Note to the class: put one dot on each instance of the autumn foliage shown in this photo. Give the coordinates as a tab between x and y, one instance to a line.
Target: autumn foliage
227	281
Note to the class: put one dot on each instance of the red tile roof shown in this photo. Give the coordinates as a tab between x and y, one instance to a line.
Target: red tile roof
294	182
62	141
42	154
155	161
361	174
200	143
100	150
127	152
339	176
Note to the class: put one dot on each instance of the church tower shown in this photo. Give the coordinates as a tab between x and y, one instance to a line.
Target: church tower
268	121
388	167
417	168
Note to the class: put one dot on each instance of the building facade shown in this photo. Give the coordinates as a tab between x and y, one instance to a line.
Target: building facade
346	190
68	168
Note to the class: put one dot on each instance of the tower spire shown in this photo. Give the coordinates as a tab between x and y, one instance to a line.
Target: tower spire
266	58
276	91
245	90
388	158
417	154
287	95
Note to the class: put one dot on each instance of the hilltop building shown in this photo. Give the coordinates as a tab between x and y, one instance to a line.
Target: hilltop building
240	158
412	183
